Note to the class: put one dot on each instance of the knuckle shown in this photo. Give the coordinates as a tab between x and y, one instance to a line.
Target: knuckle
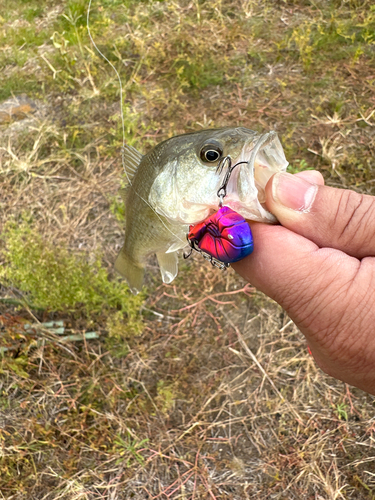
354	215
321	302
348	335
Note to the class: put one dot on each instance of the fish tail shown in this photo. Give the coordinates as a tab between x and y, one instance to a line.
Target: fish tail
132	272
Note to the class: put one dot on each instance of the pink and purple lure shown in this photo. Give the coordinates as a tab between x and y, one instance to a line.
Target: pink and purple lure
225	235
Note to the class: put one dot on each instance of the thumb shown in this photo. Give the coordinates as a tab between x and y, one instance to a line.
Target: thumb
329	217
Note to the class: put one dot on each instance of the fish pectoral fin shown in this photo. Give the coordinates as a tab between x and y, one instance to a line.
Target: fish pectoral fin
131	271
168	263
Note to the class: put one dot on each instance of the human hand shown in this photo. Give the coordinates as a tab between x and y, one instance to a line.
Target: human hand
319	265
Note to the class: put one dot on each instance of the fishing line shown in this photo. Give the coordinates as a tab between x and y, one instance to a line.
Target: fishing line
123	123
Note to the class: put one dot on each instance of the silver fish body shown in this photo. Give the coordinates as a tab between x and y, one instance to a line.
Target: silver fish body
176	185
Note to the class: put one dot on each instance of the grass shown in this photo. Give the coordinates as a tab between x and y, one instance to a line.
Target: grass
203	388
54	279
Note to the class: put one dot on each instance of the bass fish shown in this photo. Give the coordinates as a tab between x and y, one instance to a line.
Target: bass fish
176	185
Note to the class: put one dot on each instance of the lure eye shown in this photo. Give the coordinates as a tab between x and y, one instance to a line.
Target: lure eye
211	153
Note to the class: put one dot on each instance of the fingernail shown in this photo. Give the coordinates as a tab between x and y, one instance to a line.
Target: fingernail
293	192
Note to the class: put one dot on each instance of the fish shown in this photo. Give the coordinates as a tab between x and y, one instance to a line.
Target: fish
176	184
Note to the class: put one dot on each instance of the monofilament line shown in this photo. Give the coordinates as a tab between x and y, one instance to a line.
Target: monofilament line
114	69
122	119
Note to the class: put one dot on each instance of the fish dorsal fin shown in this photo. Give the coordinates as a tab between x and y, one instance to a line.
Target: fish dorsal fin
132	158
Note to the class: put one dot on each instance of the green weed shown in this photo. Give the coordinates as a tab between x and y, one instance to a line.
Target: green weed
341	411
298	166
129	446
117	207
52	278
166	396
333	38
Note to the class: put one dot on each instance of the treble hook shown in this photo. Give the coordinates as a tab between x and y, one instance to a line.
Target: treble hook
214	262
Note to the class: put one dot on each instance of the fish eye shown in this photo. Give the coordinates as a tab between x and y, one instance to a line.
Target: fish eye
211	153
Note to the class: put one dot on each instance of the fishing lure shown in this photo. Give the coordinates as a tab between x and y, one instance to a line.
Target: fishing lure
225	236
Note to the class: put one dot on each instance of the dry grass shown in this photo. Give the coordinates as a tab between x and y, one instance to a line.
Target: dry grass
218	397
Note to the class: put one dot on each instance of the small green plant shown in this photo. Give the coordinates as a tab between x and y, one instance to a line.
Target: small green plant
129	446
118	333
298	166
166	396
341	411
52	278
117	207
197	72
302	40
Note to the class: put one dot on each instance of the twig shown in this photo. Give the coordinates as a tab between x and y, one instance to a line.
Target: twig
265	374
246	289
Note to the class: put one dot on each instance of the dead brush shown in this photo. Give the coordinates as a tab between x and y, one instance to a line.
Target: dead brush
28	157
332	150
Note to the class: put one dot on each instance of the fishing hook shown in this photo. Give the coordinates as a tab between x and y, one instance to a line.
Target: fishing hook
214	262
222	192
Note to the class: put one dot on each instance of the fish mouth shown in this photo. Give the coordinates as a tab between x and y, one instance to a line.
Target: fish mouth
260	161
189	195
257	163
